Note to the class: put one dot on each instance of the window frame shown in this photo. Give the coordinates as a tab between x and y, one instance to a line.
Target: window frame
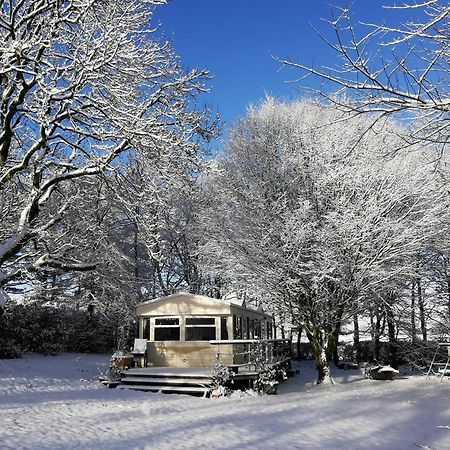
146	327
224	335
154	326
190	326
237	327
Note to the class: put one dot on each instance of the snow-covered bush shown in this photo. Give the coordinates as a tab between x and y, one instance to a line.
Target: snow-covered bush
112	376
267	381
222	378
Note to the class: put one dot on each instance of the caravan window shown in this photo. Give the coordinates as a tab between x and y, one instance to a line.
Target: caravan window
167	329
269	330
252	329
237	326
146	328
258	331
200	328
223	329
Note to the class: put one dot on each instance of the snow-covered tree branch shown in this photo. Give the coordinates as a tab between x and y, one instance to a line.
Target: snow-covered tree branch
82	84
319	214
391	69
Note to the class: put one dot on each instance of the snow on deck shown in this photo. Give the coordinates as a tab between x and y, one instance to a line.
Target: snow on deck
57	403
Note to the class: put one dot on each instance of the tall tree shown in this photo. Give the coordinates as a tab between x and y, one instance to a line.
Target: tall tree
319	214
82	83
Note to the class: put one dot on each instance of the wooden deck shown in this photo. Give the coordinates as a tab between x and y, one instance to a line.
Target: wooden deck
170	372
168	380
178	373
186	380
245	353
240	372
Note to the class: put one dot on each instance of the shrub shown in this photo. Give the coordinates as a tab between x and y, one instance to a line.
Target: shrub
48	330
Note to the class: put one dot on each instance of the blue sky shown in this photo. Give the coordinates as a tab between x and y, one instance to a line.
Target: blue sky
234	40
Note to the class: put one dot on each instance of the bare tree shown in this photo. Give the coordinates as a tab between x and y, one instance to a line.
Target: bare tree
142	229
82	83
392	69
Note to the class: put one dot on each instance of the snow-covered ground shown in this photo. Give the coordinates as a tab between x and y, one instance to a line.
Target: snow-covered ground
57	403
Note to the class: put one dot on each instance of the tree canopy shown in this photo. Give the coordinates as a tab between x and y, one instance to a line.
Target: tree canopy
318	213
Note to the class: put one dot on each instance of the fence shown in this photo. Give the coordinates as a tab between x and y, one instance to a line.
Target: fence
254	353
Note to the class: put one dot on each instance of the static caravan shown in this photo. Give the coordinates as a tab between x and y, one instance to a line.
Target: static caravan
179	328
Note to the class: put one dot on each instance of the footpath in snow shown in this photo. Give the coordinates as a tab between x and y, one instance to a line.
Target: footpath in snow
57	403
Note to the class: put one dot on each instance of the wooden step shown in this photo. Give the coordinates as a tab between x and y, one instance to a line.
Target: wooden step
165	381
167	373
191	390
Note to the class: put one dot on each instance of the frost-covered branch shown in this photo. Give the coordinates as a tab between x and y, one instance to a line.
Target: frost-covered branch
317	215
84	84
400	69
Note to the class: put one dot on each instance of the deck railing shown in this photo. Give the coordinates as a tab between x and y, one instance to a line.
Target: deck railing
254	353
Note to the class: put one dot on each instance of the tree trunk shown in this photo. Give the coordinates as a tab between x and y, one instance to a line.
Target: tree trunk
448	293
356	343
194	278
318	340
376	334
372	325
136	250
413	311
393	361
336	351
299	346
323	369
423	325
332	346
217	288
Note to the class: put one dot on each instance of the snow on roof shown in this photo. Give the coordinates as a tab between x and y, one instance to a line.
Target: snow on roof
237	301
260	309
178	294
231	301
